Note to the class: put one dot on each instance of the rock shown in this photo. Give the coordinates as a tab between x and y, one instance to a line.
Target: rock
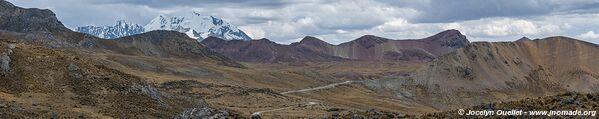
74	71
489	106
568	100
255	116
400	115
356	116
2	105
202	113
333	109
148	91
73	67
335	114
371	110
5	63
12	46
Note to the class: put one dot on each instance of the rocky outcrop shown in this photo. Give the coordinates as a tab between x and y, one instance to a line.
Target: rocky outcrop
74	71
38	26
28	20
202	113
5	60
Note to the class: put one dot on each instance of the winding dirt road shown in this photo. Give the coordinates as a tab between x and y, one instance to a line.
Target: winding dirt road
302	90
318	88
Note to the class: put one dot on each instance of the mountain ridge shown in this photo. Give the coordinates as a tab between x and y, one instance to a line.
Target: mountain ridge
121	29
367	47
483	72
196	26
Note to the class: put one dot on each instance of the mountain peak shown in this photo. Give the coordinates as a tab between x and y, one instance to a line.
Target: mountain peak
122	28
446	34
523	39
194	24
368	37
19	19
371	38
368	41
449	38
311	41
6	4
197	26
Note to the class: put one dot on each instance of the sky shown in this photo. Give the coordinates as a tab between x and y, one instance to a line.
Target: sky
337	21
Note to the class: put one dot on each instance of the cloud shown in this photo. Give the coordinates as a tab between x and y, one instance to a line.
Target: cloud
202	3
505	27
74	13
337	21
253	32
434	11
589	35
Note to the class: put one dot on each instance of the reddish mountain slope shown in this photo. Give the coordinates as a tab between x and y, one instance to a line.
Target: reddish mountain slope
368	47
264	50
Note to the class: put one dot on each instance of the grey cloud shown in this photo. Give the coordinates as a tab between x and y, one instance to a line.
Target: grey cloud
451	11
202	3
280	20
79	12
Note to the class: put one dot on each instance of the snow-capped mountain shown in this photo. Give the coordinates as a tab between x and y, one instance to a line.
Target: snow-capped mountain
197	26
122	28
193	24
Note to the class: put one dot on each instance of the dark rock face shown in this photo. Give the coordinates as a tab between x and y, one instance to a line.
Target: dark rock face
37	26
28	20
368	48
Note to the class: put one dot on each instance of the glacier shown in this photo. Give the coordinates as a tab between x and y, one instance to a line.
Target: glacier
194	24
122	28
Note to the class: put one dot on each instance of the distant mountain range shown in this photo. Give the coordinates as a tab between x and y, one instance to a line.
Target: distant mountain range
366	48
37	26
195	25
48	70
121	29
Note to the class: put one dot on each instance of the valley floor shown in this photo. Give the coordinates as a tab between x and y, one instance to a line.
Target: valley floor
298	91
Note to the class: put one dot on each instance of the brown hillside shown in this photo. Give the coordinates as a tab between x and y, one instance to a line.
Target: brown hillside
48	83
486	72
